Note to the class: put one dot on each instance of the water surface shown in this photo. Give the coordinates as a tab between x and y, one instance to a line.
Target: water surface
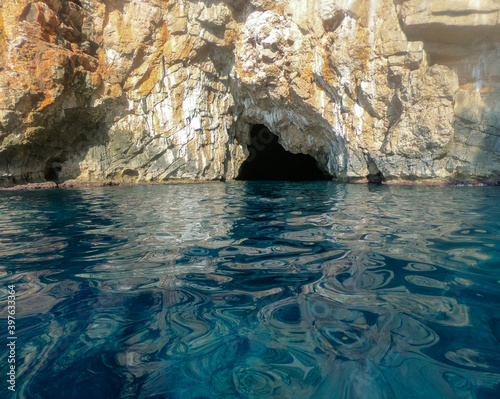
253	290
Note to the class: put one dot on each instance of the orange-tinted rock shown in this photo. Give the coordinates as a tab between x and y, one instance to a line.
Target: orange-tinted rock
153	90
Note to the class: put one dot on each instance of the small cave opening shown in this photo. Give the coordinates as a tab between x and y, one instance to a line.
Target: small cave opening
268	160
52	169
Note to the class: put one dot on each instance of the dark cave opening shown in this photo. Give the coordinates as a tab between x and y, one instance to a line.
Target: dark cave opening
268	160
52	169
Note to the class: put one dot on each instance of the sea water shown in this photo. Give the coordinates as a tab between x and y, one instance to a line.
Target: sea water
252	290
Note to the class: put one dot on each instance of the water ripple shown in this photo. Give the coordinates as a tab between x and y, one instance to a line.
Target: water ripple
254	290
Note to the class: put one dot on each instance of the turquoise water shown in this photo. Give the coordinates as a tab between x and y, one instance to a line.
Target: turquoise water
253	290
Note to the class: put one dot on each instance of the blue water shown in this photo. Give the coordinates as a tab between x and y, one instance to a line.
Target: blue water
253	290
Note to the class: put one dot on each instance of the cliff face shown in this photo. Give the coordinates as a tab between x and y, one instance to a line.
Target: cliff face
150	90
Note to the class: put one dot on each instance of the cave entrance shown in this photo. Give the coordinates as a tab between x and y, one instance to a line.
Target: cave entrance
268	160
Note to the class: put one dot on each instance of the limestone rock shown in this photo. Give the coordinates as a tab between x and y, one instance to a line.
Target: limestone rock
155	90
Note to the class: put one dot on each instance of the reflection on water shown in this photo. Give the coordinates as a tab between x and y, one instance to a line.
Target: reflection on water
254	290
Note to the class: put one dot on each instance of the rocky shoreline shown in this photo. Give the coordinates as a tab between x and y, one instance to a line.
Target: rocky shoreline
68	185
157	90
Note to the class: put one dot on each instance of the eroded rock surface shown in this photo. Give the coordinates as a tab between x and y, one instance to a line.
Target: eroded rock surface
154	90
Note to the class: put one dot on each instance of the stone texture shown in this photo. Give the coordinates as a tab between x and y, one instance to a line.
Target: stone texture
155	90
